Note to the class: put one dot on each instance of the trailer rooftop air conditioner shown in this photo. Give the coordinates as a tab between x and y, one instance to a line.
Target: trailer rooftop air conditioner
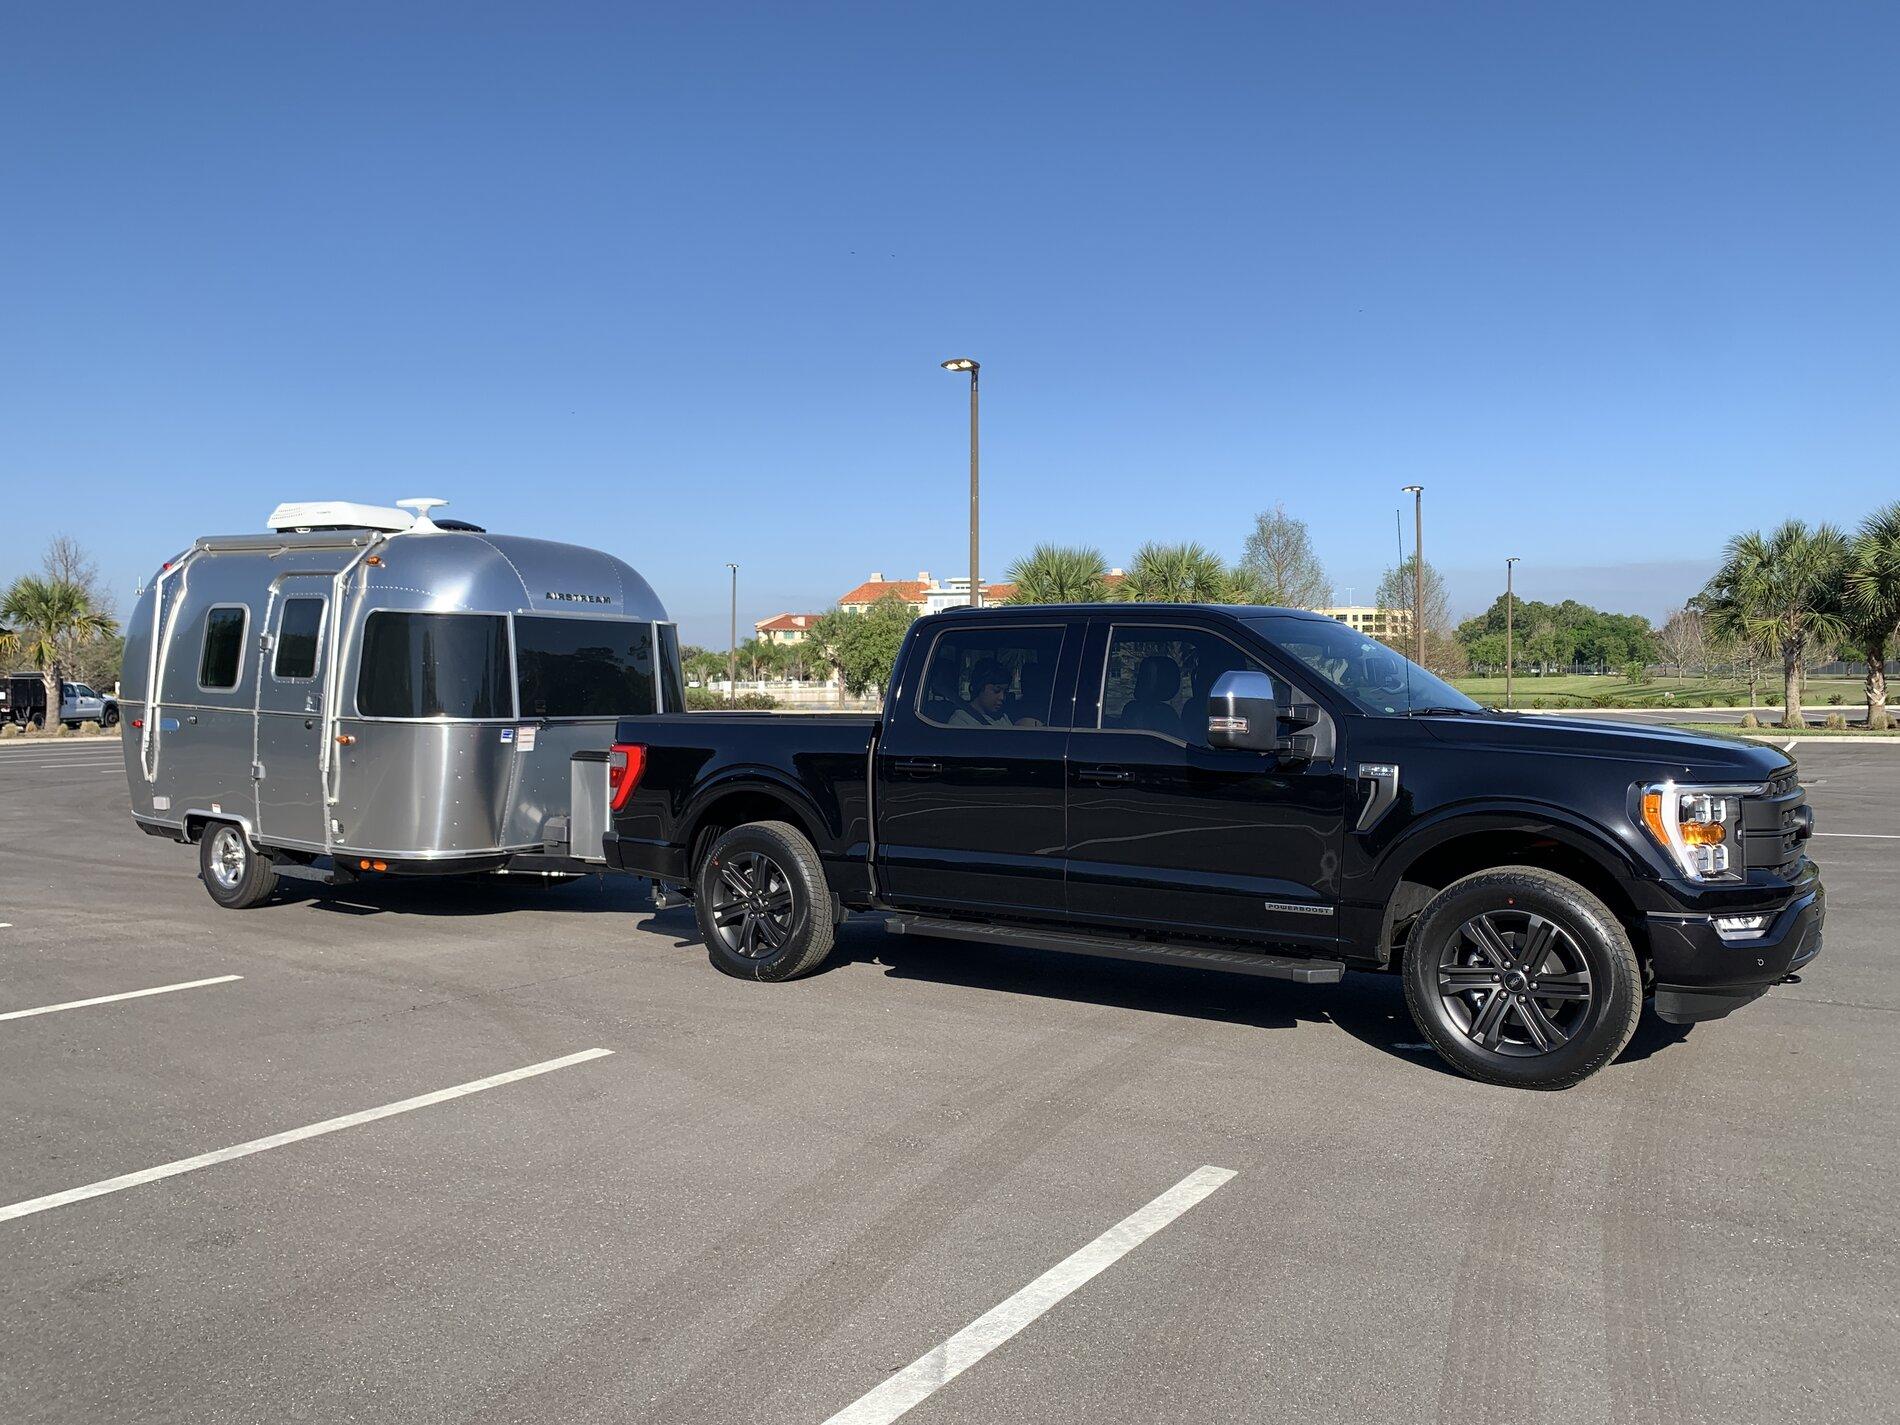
337	514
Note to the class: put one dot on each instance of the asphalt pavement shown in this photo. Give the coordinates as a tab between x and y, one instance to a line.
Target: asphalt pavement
768	1203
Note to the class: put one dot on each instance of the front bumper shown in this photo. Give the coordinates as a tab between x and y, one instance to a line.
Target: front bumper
1702	974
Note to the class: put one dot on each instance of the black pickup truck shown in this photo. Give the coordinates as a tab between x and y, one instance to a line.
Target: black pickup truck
1246	789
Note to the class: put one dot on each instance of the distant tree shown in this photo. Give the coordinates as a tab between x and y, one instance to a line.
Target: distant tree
1185	574
1284	569
863	646
1396	592
1873	602
43	617
1784	588
1060	574
1684	640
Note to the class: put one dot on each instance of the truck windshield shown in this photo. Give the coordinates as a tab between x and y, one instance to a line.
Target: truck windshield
584	667
1373	676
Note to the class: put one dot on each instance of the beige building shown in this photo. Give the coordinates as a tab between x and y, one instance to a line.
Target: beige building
1372	621
785	628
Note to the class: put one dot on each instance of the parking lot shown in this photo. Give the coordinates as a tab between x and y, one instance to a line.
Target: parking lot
762	1203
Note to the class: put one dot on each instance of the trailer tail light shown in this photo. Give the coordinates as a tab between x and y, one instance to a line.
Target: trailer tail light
625	764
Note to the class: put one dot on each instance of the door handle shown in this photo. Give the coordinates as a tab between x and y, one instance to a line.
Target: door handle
1103	776
915	767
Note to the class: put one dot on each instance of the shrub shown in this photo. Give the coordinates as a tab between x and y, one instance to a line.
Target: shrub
54	728
89	728
9	729
1835	699
1750	720
1538	703
706	700
1835	723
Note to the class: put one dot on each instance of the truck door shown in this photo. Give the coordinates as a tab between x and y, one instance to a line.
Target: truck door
291	690
1172	836
970	768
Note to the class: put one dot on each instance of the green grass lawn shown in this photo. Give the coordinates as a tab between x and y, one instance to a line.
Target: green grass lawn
1614	691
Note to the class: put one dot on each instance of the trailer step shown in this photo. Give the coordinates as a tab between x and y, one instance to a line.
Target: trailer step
1239	962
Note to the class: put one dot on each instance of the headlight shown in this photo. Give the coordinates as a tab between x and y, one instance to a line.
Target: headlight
1696	826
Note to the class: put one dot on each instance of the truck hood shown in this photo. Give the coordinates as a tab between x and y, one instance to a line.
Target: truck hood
1664	750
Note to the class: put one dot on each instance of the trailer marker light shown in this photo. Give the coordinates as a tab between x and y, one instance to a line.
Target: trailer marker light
625	766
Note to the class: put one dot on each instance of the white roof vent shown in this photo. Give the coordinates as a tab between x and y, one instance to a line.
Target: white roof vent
423	524
338	514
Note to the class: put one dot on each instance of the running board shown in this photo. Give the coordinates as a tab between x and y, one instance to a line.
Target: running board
1239	962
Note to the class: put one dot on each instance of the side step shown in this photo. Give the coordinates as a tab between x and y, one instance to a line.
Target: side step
1239	962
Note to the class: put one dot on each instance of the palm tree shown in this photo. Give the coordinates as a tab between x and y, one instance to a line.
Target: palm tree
1873	601
1060	574
1180	574
48	615
1785	589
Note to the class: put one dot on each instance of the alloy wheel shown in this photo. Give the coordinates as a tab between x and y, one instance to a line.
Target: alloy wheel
752	904
1515	983
228	854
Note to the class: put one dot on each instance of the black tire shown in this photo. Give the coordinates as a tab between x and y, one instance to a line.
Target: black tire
1481	952
763	906
109	718
235	873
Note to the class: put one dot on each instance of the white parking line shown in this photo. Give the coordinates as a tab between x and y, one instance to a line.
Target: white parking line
110	999
1862	835
294	1135
946	1362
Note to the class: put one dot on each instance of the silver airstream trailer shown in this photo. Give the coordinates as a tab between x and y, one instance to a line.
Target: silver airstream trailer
365	690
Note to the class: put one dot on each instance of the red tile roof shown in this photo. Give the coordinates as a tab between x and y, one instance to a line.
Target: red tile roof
911	591
786	623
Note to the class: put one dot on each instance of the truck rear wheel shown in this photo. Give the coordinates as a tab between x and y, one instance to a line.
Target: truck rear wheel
1521	977
234	872
764	909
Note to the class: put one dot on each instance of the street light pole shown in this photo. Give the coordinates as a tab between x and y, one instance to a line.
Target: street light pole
963	363
1510	608
1418	572
732	643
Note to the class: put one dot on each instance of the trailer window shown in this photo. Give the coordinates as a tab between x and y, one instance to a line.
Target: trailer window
672	683
434	665
223	652
297	639
581	667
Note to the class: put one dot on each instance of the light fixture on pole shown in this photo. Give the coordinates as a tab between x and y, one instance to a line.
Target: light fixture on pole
1510	604
963	363
732	642
1417	492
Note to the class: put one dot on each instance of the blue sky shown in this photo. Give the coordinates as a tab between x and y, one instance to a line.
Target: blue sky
1611	281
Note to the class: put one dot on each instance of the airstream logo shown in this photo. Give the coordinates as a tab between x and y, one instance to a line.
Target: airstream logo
579	598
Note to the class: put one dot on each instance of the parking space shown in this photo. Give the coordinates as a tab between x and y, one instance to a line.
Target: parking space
797	1202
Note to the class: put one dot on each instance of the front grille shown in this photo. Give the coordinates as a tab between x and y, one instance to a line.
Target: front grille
1771	826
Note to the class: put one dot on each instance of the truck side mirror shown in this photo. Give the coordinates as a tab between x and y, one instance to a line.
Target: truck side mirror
1242	712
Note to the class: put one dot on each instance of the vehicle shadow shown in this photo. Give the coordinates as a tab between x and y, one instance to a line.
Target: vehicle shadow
466	895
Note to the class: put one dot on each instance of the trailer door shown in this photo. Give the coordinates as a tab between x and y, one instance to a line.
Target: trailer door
292	685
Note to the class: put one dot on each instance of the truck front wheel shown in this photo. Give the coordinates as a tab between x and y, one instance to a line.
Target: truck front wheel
1521	977
764	909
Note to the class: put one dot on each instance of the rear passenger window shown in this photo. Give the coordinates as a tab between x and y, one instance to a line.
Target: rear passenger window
1158	680
297	630
223	652
991	677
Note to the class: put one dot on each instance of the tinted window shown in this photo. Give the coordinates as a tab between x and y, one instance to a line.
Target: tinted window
1158	679
1375	677
991	677
297	639
576	667
434	665
223	651
673	685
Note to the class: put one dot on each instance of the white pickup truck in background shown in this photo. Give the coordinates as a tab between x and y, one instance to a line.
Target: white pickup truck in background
23	700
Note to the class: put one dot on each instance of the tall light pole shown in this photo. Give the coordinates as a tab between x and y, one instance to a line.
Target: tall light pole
732	642
1417	493
1510	608
963	363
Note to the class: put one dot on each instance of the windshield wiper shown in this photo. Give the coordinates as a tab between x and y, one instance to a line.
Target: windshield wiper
1445	712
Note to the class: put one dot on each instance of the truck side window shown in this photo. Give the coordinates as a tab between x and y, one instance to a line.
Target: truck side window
223	653
1158	679
1002	676
297	630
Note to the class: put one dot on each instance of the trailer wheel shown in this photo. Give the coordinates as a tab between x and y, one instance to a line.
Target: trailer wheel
231	868
764	909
